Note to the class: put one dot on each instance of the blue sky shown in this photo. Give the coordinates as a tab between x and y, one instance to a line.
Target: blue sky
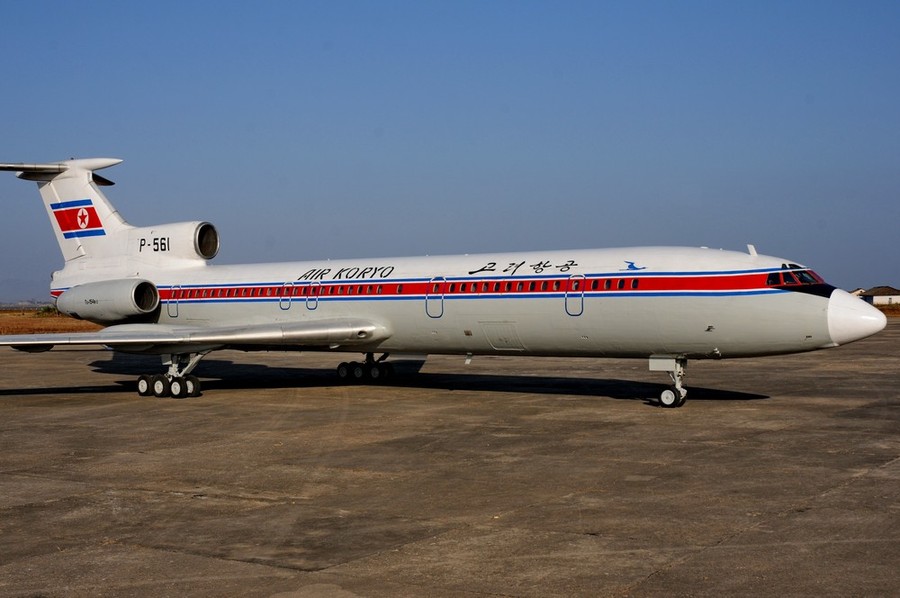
343	129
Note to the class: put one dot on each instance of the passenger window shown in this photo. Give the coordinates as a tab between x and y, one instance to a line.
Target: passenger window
575	285
519	286
634	283
555	285
452	287
531	286
607	284
621	284
462	287
378	290
544	286
594	284
399	289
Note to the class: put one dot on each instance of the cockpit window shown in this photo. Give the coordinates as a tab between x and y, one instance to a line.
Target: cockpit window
786	277
806	278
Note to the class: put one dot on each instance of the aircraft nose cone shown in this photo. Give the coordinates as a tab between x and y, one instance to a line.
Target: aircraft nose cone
850	319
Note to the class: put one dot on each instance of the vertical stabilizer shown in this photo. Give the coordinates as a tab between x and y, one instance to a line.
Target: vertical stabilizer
82	217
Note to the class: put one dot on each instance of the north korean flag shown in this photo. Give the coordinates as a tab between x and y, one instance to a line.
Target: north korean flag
77	218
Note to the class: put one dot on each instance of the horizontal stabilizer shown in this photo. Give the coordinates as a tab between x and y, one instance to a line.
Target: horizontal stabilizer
56	167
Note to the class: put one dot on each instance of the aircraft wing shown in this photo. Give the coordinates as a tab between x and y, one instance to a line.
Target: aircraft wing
165	338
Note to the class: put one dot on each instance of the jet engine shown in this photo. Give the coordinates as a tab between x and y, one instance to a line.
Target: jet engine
181	240
111	301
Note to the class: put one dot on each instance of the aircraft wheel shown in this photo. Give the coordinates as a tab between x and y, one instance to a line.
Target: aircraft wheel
192	384
160	385
343	371
357	371
670	398
375	372
178	388
145	385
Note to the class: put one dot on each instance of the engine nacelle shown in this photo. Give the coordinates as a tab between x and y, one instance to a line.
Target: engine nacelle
181	240
111	301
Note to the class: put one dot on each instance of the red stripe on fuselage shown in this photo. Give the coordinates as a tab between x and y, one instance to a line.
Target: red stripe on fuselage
487	286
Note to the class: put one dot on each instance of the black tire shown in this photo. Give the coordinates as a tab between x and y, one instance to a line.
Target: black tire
145	385
160	385
178	387
374	372
670	398
193	385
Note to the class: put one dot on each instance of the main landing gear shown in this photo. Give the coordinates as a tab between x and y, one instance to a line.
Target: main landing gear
675	395
177	382
370	371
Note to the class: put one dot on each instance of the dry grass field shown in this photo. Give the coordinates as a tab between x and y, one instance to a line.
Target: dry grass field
36	322
891	311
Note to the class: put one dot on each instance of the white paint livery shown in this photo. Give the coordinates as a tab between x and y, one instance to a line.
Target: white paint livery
156	290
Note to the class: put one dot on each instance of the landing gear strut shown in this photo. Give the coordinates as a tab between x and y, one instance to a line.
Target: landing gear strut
177	382
675	367
368	371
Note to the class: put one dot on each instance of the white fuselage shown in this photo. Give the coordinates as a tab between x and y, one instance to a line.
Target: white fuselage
629	302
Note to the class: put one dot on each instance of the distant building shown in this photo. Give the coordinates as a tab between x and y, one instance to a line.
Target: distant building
883	295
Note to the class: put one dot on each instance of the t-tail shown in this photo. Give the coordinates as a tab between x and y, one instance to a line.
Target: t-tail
82	217
112	268
88	226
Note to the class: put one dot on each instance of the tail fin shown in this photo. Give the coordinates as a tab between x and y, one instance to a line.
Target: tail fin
80	214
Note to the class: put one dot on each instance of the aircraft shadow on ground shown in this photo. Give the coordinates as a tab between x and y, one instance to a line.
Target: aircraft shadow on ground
221	374
226	374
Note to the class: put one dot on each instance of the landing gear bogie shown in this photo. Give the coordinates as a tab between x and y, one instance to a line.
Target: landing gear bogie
177	383
369	371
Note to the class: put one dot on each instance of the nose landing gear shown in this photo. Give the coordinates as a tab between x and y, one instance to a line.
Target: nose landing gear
675	367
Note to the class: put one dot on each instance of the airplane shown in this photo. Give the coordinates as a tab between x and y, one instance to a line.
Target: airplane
157	293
